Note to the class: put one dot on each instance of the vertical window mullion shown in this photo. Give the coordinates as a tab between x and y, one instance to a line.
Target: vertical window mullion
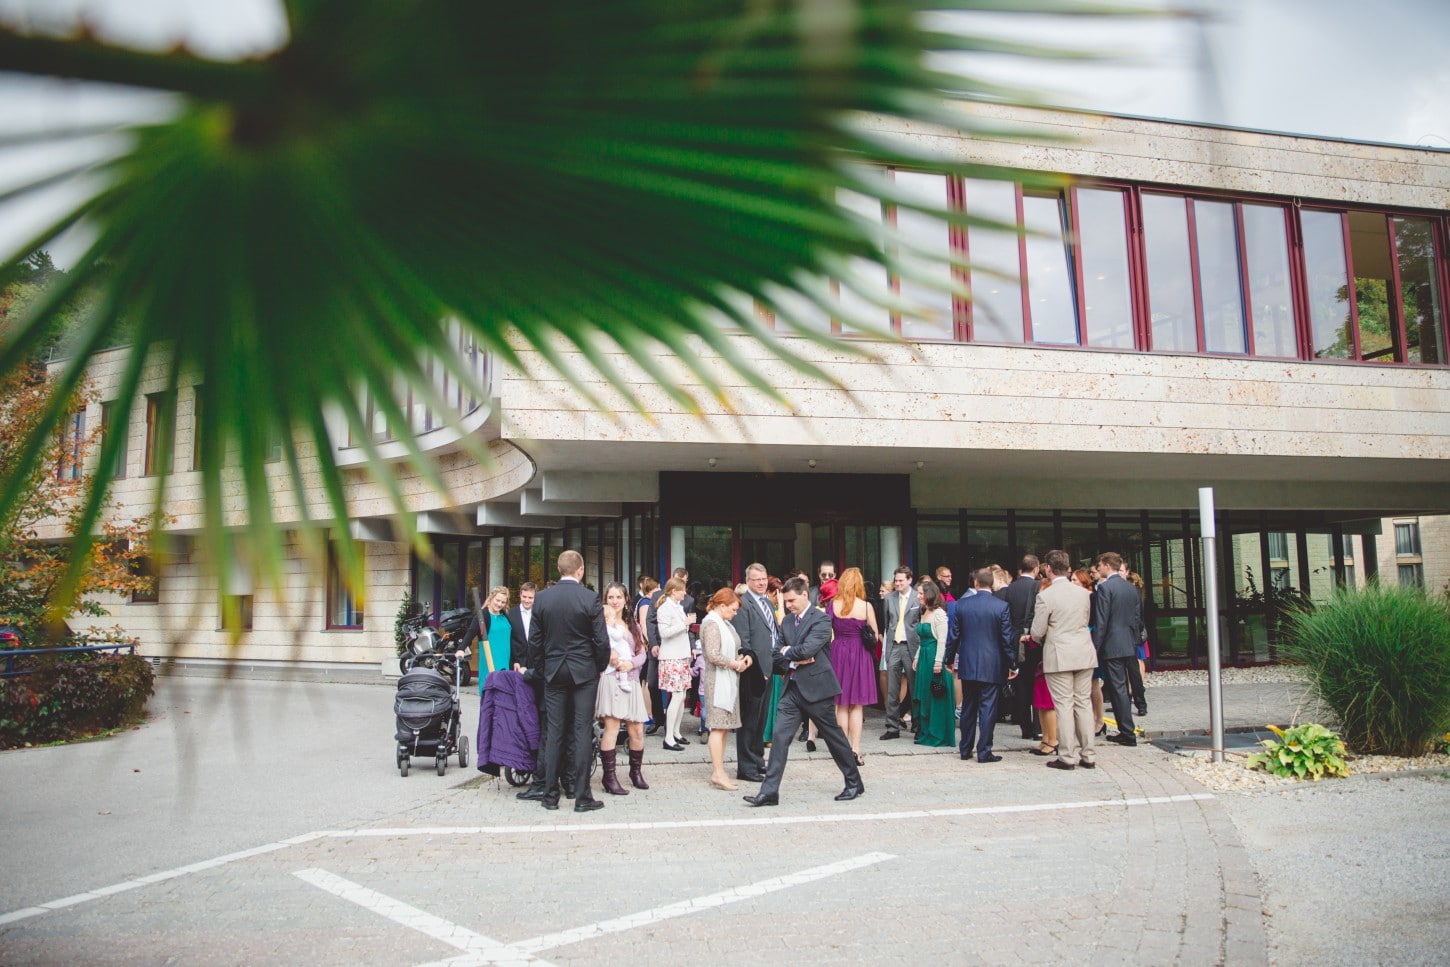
1245	292
1075	253
1194	275
962	240
1299	283
893	281
1349	277
1396	296
1022	267
1138	269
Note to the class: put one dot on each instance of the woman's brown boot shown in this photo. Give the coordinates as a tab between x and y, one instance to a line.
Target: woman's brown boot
636	769
610	782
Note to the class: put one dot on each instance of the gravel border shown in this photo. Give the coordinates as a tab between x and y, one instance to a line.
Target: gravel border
1233	774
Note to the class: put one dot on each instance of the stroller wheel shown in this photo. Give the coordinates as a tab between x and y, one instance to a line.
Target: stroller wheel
463	752
442	762
403	763
517	779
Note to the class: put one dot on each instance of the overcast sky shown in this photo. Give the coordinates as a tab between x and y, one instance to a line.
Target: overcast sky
1352	69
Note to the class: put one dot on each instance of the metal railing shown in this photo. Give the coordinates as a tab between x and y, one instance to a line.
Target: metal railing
13	653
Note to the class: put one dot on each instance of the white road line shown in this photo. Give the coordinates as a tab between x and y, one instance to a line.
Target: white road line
687	907
478	948
147	880
749	820
754	819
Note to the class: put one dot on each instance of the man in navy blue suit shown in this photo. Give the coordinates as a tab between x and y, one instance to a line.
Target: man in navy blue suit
983	652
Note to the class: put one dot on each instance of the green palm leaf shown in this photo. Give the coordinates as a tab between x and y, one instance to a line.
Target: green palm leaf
561	172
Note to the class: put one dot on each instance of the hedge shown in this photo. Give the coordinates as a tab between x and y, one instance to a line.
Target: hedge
67	697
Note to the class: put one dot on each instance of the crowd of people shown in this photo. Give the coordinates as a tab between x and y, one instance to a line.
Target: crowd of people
778	660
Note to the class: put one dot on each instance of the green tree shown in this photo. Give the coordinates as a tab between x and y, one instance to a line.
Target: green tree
567	172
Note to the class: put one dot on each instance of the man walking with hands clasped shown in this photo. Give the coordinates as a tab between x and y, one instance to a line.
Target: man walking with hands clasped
803	656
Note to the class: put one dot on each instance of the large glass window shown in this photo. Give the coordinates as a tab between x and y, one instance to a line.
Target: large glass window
1102	231
1420	297
1407	537
1172	317
1270	295
160	433
994	254
110	426
1369	238
1327	276
343	609
924	254
1216	231
1053	307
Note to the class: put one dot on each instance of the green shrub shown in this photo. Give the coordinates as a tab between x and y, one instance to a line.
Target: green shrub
68	697
1379	659
1307	751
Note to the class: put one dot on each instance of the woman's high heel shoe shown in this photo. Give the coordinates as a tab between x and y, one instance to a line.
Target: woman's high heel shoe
810	745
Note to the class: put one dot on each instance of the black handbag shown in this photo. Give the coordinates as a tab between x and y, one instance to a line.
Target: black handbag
938	688
868	639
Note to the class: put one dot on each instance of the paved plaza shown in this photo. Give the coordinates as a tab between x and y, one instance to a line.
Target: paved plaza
263	822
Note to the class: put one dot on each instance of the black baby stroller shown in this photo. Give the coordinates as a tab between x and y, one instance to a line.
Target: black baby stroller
428	710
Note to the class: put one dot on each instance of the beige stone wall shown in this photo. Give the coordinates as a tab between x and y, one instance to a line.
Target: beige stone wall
290	623
1434	548
1096	146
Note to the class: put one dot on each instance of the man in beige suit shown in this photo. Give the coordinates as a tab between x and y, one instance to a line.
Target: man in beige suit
1060	623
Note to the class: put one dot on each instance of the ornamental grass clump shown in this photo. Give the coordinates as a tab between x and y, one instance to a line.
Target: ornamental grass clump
1307	751
1379	659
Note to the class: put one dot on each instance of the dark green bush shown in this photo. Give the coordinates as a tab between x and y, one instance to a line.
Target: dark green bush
1379	659
68	697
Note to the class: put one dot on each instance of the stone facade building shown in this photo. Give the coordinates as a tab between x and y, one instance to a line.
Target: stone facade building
1184	306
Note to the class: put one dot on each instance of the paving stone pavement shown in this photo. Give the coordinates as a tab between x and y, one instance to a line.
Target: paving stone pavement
1132	863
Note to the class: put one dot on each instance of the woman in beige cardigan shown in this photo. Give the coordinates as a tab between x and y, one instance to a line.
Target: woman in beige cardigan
720	644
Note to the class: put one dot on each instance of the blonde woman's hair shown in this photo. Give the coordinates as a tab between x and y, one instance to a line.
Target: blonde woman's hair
673	585
506	595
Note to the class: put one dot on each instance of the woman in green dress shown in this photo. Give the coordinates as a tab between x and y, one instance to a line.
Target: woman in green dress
497	638
933	713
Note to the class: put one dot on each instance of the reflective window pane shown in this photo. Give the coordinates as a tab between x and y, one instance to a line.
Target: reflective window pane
861	294
925	256
1218	277
1103	244
1420	292
1369	242
1170	276
1266	250
1049	271
1328	279
996	279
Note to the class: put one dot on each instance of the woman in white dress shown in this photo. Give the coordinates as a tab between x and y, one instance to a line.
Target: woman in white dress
621	696
674	659
720	644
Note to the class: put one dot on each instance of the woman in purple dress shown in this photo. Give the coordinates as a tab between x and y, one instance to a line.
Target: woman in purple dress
853	663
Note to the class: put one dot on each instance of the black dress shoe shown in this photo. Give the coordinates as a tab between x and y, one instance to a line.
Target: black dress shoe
587	805
1124	738
810	745
671	747
1142	710
989	758
849	793
1059	764
890	734
1088	765
550	802
762	800
651	729
753	777
531	795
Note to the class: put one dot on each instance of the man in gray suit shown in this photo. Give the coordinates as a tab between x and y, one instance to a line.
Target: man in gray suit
804	657
1117	629
1060	623
899	644
755	623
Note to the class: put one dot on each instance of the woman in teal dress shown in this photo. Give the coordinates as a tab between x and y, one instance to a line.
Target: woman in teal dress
498	634
936	723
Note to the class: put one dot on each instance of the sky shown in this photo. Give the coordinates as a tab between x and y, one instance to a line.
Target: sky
1348	69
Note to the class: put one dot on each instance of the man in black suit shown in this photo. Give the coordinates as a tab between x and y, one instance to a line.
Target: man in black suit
567	634
520	617
755	623
803	655
1021	598
1117	630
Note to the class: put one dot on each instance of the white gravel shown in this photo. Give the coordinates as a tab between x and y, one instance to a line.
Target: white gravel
1234	775
1264	675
